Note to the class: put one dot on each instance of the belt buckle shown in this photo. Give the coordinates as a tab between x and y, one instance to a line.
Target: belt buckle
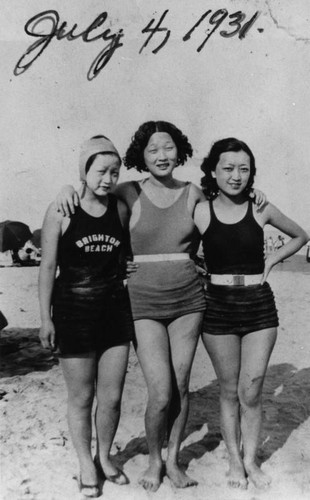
238	279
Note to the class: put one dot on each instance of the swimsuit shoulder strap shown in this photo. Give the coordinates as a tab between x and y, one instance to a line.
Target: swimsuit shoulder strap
212	213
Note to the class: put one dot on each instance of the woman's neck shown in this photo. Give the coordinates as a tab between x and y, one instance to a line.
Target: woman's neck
231	201
95	205
162	182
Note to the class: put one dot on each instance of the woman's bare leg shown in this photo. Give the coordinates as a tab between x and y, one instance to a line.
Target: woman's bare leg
225	354
153	355
183	336
255	354
79	374
111	372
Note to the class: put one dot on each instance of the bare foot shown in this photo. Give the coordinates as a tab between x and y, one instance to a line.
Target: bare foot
260	480
178	477
236	476
87	490
88	481
109	471
151	478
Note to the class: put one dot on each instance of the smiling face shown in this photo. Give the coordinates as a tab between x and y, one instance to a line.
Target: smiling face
103	174
160	155
232	172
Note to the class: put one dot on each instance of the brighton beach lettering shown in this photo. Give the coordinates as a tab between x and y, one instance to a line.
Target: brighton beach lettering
97	243
46	26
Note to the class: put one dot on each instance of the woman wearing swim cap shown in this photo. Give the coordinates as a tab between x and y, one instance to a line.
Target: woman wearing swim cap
85	311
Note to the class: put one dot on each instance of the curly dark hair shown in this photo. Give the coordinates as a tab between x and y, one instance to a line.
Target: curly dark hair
134	157
208	183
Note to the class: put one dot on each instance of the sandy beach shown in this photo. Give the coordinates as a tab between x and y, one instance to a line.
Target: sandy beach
37	459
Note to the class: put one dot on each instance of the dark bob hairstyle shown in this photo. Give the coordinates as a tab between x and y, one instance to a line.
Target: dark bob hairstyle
208	183
134	157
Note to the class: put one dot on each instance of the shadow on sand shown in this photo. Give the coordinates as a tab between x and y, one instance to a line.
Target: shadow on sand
21	352
286	405
286	399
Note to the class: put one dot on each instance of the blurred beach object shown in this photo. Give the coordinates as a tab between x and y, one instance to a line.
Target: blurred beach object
6	259
308	252
17	245
27	255
36	238
13	235
3	321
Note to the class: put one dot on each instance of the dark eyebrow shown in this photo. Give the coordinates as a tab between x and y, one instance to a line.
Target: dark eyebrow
241	164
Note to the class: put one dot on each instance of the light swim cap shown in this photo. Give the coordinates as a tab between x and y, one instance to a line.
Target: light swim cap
95	146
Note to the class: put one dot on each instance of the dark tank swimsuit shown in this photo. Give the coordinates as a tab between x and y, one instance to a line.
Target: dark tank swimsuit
91	309
165	289
236	249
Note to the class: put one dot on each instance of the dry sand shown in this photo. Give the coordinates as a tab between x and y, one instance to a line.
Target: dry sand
38	461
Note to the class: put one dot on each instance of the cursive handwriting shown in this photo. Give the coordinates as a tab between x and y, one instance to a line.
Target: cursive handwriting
37	27
157	29
34	26
217	19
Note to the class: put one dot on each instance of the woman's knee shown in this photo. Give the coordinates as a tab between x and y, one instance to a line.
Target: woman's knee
250	397
109	399
81	399
159	400
229	392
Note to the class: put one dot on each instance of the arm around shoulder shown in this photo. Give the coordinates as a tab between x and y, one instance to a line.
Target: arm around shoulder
126	192
67	199
202	216
195	196
123	212
196	193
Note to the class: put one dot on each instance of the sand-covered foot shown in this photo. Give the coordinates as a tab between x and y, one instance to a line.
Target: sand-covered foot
107	470
87	481
236	476
152	477
178	477
260	480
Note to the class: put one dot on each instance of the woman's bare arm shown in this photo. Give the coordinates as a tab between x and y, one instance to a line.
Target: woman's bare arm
67	199
273	216
51	232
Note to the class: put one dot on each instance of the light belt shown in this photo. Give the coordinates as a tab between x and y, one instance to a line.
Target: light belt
161	257
236	279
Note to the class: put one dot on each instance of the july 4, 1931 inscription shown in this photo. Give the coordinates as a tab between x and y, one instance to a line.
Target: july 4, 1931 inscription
47	25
